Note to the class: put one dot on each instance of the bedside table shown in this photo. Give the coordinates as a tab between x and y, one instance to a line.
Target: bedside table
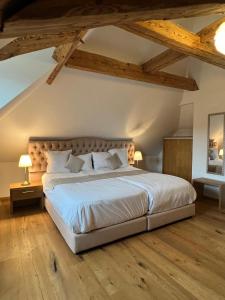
21	195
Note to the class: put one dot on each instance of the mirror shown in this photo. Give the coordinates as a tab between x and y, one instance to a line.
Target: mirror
215	161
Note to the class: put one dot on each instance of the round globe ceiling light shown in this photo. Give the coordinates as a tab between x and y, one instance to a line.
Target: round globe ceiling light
219	39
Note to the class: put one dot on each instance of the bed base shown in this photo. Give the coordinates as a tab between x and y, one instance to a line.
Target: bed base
171	216
81	242
84	241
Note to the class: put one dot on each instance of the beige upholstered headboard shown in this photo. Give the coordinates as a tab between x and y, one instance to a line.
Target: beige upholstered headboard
37	147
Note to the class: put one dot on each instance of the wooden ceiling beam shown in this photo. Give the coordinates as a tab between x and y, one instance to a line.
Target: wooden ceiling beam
207	34
66	51
163	60
177	38
30	43
170	56
41	16
104	65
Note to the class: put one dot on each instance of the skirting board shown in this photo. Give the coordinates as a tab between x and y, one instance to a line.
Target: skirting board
81	242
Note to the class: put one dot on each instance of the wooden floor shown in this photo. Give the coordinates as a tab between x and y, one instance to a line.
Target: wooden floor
185	260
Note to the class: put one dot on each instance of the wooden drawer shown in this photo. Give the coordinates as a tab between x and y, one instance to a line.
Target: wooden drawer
26	193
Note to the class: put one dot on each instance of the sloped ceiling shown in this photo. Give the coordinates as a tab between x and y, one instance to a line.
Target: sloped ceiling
18	73
86	104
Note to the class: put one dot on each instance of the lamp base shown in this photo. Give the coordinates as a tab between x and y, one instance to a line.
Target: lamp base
25	183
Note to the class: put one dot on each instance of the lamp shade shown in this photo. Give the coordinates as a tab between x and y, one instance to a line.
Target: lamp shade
138	155
25	161
221	152
219	39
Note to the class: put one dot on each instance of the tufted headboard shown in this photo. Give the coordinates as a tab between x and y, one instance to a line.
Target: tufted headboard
37	147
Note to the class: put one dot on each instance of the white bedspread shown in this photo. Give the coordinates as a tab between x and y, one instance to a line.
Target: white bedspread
165	192
96	204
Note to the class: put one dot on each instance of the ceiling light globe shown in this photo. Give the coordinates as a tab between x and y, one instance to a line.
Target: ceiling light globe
219	39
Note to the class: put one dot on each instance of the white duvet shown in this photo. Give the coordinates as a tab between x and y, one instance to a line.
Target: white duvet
165	192
96	204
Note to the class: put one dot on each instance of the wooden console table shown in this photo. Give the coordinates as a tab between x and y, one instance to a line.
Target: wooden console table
199	184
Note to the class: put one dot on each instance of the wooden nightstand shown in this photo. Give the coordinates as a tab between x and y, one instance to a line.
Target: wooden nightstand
24	195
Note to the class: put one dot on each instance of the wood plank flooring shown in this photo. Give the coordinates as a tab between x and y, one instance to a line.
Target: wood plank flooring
185	260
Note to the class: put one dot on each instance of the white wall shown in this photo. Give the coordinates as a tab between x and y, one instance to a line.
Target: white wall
209	99
86	104
9	172
185	126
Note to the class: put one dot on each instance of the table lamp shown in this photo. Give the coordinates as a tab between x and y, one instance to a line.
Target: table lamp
138	156
25	162
221	153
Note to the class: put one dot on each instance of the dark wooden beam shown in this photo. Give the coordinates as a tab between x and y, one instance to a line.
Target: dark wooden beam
30	43
100	64
43	16
177	38
10	7
171	56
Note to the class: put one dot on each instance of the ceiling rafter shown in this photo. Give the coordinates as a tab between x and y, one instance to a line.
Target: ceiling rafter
50	16
30	43
207	34
66	50
170	56
177	38
55	23
163	60
104	65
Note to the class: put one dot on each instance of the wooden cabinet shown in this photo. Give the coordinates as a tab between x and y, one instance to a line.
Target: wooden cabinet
177	157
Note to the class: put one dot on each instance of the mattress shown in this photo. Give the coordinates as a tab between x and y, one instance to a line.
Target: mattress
87	206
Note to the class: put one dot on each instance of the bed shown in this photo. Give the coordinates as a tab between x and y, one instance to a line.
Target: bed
99	206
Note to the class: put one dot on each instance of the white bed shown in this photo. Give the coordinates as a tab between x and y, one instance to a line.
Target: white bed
94	212
90	205
87	206
96	207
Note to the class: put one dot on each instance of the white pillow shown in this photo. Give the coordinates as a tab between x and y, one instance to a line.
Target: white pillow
87	158
57	160
123	155
100	159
